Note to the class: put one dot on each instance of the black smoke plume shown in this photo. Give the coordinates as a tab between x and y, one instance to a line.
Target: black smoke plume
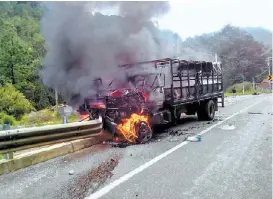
83	44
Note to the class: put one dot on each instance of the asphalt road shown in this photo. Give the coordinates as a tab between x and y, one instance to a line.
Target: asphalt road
233	160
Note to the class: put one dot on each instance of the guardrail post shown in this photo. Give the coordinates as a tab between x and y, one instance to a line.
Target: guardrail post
223	100
8	155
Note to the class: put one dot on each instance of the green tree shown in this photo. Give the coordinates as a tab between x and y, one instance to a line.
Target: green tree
15	52
239	53
13	102
22	50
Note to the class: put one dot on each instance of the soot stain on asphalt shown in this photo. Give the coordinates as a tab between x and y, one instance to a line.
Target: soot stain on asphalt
171	133
255	113
93	180
183	132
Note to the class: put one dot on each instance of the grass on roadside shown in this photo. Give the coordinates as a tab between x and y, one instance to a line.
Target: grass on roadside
249	90
238	93
39	118
1	156
45	117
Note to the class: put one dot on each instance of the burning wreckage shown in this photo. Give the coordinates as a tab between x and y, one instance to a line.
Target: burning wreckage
159	97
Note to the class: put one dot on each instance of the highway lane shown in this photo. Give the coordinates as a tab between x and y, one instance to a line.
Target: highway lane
225	164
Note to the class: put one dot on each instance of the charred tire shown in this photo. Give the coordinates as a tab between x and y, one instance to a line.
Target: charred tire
144	132
206	111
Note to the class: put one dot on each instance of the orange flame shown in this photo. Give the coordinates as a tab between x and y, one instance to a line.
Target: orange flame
128	126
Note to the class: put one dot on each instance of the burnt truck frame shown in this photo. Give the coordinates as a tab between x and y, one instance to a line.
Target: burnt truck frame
173	87
191	87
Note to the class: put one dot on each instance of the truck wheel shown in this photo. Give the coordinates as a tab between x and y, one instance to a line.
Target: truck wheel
207	111
144	132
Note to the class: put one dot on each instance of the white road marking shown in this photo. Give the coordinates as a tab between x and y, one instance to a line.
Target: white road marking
103	191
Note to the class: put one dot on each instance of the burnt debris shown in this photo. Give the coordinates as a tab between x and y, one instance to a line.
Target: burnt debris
118	144
124	105
93	180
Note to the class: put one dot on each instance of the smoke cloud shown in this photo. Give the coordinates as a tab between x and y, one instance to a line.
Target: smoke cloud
196	54
82	45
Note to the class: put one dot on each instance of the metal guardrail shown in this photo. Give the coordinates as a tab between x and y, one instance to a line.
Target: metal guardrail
20	139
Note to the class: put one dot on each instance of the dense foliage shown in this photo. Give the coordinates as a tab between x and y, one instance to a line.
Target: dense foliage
13	102
21	51
242	57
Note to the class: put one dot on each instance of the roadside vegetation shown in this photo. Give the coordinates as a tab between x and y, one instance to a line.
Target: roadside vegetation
249	90
35	118
16	110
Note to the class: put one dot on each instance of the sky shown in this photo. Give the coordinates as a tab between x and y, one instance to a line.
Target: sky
195	17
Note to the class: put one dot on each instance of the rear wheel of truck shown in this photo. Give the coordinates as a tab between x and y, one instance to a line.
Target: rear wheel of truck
206	111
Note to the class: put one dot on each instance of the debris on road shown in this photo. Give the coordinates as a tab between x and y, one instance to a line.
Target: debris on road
173	140
217	120
93	180
228	127
179	132
196	138
118	144
71	172
254	113
187	135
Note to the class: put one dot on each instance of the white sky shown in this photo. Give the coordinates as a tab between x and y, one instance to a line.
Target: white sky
194	17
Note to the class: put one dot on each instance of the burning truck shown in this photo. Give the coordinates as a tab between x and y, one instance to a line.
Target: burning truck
158	95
